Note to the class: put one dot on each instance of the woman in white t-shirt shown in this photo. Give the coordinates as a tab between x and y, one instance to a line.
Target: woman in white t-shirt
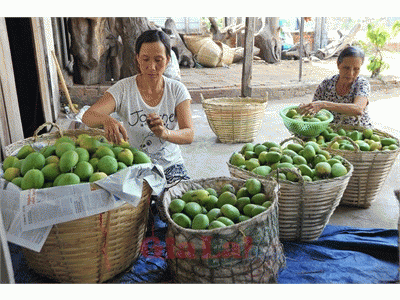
155	110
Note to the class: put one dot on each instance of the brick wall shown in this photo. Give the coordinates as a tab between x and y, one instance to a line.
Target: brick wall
84	94
307	37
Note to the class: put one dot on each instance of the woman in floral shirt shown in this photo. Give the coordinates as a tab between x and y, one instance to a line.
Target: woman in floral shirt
345	94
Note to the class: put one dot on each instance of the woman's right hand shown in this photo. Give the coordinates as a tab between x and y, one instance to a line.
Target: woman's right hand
310	108
113	130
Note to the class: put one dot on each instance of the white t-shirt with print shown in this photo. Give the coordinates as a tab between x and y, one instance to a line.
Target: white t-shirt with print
133	112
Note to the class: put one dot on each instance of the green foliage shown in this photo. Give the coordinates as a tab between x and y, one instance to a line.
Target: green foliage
378	37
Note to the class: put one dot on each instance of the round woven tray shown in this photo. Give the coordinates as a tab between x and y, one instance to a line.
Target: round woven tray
95	248
304	207
235	120
256	255
371	169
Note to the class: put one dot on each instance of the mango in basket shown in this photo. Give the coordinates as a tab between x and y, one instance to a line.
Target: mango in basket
182	220
126	156
214	214
231	212
212	192
210	202
226	221
25	151
66	179
34	160
338	170
226	209
11	173
192	209
84	170
33	179
97	176
323	169
176	206
51	171
253	185
141	158
63	147
107	164
216	224
90	144
9	161
200	222
226	198
68	161
237	159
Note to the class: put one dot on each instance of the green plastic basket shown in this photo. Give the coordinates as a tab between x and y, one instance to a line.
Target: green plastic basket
304	129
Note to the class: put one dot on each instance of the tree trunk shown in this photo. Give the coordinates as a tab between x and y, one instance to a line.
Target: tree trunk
130	28
337	46
93	40
184	56
269	41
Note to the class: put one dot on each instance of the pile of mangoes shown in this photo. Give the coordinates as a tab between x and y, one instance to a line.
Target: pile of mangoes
203	209
69	161
309	161
365	140
318	117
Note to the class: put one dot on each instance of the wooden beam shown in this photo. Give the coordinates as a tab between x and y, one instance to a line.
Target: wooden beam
248	57
301	48
9	112
42	64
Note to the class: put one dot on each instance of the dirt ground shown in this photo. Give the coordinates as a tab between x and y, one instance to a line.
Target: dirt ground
285	72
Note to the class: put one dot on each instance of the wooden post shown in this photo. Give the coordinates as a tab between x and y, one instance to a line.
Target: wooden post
47	73
248	57
301	48
10	118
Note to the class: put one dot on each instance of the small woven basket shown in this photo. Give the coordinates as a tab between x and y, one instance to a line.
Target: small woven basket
247	252
304	207
371	169
304	129
235	120
95	248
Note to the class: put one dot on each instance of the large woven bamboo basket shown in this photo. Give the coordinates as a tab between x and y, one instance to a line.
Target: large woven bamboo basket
304	207
195	42
235	120
95	248
247	252
227	54
371	169
209	54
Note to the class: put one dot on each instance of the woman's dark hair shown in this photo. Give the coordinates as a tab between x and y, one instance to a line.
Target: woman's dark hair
151	36
351	52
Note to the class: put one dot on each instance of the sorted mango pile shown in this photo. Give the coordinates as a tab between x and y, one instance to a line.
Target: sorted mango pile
309	160
69	161
206	209
364	140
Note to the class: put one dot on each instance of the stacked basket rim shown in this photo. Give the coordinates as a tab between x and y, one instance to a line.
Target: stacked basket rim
235	119
304	207
371	169
93	249
259	235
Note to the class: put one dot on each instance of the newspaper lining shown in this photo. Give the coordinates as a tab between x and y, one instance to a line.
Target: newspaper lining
29	215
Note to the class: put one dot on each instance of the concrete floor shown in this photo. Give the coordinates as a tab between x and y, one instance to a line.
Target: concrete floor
206	156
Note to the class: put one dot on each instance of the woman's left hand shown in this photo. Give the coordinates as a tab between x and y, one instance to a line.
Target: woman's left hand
156	125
